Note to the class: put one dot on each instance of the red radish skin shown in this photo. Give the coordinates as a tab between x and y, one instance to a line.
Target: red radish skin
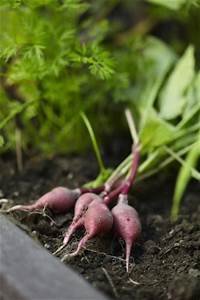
126	224
98	220
79	212
59	200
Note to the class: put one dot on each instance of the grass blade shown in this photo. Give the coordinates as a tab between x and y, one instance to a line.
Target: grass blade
183	179
94	142
194	173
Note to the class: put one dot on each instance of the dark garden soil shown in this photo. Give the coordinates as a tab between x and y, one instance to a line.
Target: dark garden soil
167	256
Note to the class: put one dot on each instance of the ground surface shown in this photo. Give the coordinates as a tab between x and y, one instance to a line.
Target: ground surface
167	257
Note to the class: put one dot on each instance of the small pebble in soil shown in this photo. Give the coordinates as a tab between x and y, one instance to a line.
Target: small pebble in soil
70	176
171	233
47	246
16	194
34	233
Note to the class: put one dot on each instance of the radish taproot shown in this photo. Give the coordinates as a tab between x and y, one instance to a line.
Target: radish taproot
97	220
80	209
59	200
126	224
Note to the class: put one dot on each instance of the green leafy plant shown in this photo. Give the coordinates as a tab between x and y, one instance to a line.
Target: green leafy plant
60	58
186	172
47	61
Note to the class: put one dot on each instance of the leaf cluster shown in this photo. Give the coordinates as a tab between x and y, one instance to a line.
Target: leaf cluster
53	64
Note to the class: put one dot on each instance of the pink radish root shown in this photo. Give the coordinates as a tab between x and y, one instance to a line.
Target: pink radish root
98	220
80	209
126	224
125	218
59	200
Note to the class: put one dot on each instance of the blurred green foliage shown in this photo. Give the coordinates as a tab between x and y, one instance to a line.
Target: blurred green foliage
55	65
58	58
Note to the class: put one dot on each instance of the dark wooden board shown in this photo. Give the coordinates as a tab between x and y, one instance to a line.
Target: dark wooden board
28	271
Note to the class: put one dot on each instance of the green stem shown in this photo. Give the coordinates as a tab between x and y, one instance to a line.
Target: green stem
163	164
131	125
184	132
94	142
119	171
151	158
188	117
195	174
183	179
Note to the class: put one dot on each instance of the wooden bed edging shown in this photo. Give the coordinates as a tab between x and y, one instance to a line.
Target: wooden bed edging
29	272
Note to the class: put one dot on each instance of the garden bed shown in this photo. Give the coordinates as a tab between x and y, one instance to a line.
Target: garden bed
167	256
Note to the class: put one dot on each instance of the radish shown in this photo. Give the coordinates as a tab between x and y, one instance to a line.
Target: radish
126	224
81	207
97	220
59	200
125	218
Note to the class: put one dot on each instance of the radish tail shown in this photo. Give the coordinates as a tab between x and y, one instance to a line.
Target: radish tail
81	244
128	253
30	207
72	228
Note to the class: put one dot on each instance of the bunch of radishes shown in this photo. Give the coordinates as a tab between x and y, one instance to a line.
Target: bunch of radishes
91	206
